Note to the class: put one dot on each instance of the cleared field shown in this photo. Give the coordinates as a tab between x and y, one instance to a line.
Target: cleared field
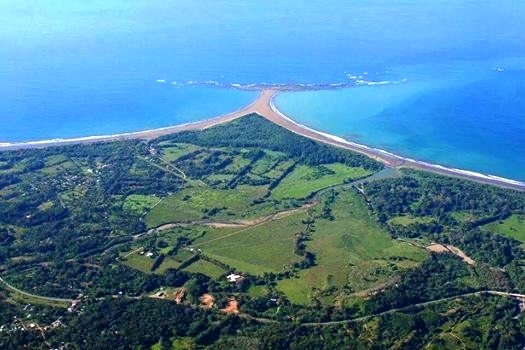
143	263
257	291
206	268
307	179
139	262
351	251
267	163
465	216
178	150
58	167
267	247
198	203
512	227
139	204
237	164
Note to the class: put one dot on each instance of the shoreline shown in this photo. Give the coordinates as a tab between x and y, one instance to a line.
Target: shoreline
143	134
391	159
265	107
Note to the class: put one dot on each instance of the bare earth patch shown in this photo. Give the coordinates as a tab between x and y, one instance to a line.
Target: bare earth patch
440	248
207	300
179	295
232	307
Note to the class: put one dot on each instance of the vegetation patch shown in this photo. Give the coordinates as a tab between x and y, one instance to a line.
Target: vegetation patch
353	253
405	220
139	204
307	179
202	202
174	151
206	268
512	227
267	247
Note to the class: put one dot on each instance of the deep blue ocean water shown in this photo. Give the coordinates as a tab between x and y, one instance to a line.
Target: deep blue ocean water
455	70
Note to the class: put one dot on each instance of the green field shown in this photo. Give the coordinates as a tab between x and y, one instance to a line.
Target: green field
307	179
139	204
175	151
200	202
139	262
351	251
206	268
269	164
143	263
268	247
512	227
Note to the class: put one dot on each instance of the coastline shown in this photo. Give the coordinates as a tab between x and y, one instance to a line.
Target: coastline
388	158
144	134
265	107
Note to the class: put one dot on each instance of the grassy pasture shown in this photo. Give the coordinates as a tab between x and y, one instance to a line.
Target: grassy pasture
512	227
353	250
267	247
465	216
175	151
138	204
237	164
264	165
195	203
143	263
279	169
58	167
206	268
307	179
139	262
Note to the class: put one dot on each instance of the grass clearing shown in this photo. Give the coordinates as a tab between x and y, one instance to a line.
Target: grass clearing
198	203
353	251
143	263
264	165
139	204
206	268
465	216
60	167
167	263
512	227
139	262
55	159
267	247
257	291
175	151
307	179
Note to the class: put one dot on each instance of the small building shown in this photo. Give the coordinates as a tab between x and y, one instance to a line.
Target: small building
233	278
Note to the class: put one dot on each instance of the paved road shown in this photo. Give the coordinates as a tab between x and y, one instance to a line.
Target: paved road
391	311
19	291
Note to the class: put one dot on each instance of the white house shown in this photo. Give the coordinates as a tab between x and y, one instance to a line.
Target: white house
233	277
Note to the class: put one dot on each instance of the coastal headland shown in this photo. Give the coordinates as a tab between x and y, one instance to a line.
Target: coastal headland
265	107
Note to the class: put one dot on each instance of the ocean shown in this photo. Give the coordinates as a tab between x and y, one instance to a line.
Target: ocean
440	81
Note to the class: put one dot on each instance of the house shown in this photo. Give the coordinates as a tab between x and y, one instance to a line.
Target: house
233	278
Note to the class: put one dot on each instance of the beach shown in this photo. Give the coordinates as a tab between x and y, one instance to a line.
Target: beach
265	107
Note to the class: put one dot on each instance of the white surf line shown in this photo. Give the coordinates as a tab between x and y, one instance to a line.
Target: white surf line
58	141
131	135
425	165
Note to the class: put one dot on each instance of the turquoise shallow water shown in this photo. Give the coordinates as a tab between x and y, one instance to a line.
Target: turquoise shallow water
475	121
437	80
